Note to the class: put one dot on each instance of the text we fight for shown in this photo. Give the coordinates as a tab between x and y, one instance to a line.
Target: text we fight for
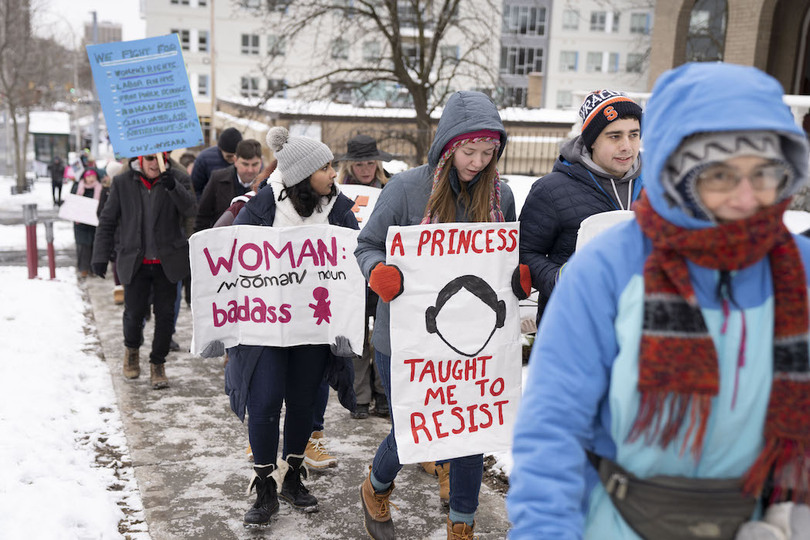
453	417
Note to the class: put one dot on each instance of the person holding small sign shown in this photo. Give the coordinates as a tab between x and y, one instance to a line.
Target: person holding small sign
668	393
460	183
87	186
261	379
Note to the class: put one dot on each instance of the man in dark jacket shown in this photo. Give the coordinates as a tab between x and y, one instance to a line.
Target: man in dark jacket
213	158
597	171
147	208
230	182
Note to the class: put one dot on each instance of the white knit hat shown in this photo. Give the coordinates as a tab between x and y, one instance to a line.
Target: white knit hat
298	157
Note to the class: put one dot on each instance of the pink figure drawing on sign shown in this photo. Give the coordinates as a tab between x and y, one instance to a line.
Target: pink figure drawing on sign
321	309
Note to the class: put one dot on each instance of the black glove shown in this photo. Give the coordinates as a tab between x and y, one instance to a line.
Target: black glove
99	269
167	179
342	347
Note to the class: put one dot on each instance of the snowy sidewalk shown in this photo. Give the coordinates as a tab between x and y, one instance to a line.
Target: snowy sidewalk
188	452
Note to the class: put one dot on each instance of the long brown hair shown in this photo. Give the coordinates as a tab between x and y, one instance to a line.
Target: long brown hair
475	200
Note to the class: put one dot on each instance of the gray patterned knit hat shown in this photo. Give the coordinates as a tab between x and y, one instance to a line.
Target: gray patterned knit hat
704	149
298	157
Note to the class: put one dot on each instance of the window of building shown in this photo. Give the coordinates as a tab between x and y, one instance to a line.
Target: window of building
598	21
185	38
372	51
202	41
521	60
565	99
410	54
513	96
250	87
640	23
635	63
340	49
450	53
278	5
202	85
202	3
250	4
568	60
276	87
179	2
526	20
614	27
276	45
250	44
593	62
706	39
406	11
570	19
613	62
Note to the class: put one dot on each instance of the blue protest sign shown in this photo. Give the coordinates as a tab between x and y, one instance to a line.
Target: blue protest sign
145	95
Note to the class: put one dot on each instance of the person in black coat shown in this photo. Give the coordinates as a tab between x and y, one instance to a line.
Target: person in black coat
597	171
213	158
57	169
261	378
147	208
230	182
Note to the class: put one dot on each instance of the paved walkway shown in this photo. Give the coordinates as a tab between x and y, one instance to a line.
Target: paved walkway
188	451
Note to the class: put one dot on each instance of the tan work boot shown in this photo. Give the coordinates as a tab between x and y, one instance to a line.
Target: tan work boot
429	467
159	379
118	295
132	363
443	472
459	531
376	511
316	455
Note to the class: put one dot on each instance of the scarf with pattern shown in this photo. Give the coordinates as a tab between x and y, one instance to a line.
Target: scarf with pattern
678	364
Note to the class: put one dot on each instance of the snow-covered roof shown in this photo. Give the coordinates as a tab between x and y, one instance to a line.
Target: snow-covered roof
328	108
49	122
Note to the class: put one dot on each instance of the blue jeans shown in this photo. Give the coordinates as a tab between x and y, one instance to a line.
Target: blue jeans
290	375
465	472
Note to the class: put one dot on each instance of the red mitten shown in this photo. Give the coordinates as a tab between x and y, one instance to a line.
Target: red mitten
386	281
522	282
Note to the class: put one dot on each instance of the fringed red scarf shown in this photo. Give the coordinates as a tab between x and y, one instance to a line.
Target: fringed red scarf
678	371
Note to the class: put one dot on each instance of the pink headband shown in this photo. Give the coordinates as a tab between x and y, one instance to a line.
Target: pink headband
488	133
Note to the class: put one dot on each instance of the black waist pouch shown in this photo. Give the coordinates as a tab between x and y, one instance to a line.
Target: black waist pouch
675	507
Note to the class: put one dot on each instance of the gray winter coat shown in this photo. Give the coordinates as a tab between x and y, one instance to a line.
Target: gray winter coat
405	196
124	210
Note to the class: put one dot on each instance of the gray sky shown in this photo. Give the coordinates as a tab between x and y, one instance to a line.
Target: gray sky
56	18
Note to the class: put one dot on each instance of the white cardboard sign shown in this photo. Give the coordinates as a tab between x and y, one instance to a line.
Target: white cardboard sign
364	197
455	339
80	209
278	286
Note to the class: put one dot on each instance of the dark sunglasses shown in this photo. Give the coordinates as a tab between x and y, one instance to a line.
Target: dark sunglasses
149	158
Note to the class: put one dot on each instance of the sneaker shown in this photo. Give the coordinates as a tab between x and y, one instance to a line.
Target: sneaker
360	412
316	455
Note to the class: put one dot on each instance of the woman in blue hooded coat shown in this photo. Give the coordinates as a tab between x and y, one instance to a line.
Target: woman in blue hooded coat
460	183
676	344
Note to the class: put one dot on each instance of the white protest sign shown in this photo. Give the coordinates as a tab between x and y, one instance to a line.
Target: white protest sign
455	339
278	286
594	225
80	209
364	197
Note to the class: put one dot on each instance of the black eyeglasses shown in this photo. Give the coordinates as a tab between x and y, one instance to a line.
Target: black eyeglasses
150	158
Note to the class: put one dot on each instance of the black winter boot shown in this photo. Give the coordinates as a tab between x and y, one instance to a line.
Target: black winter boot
266	497
293	490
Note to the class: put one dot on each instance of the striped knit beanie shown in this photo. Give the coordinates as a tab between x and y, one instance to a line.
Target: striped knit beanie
602	107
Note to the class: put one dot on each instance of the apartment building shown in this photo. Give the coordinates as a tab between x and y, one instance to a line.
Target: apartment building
525	33
597	44
232	51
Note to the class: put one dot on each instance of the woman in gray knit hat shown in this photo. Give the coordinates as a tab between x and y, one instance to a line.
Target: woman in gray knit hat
302	191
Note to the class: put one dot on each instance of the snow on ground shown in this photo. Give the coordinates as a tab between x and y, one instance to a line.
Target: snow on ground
65	458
